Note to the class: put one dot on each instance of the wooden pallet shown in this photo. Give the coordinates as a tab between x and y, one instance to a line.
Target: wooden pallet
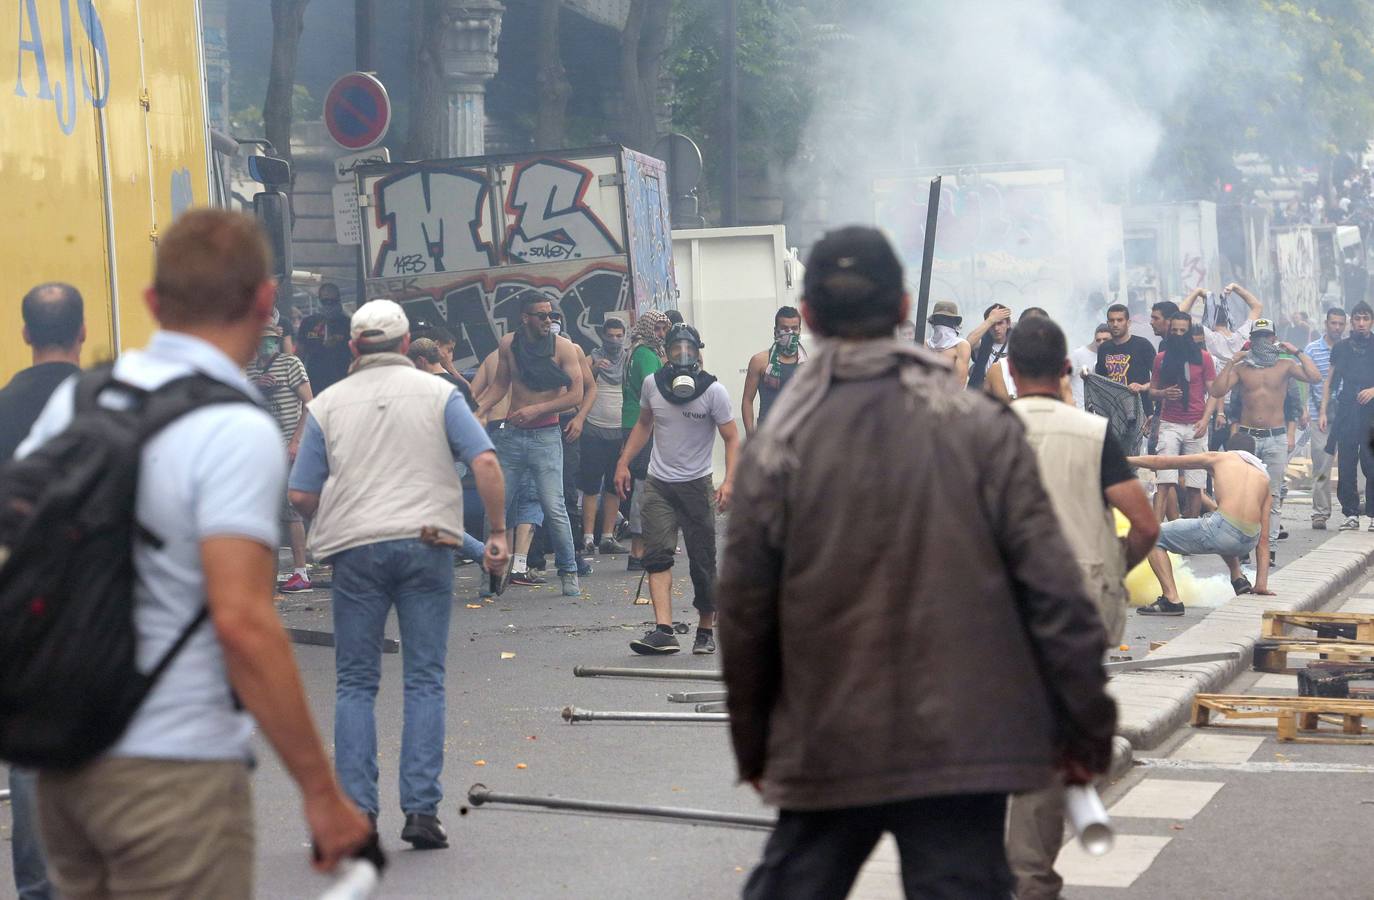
1293	714
1271	655
1354	626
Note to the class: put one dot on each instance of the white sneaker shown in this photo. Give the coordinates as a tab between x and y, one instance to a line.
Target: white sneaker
1351	523
1371	524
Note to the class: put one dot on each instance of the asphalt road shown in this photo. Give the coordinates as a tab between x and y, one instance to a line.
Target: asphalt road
505	713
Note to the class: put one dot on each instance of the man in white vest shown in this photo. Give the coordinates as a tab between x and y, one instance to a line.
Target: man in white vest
1070	445
375	471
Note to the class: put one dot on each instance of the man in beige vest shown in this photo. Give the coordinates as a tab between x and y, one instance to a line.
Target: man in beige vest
1071	447
375	470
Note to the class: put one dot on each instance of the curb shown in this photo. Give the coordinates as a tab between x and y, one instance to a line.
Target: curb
1152	703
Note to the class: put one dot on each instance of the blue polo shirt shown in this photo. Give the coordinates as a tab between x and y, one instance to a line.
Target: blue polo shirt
217	472
1320	354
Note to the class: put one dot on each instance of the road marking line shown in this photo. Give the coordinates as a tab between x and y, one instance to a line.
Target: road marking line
1131	855
1258	768
1218	748
1165	798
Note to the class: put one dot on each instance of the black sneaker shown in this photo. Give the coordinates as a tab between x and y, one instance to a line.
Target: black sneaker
1283	534
1318	523
584	566
1161	607
634	565
705	644
527	578
656	642
1242	585
610	547
424	832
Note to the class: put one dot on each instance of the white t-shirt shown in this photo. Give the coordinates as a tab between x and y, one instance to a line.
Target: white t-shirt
220	472
684	433
1080	359
1223	347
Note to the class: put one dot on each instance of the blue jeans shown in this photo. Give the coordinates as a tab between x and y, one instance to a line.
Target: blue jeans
1273	451
473	549
1210	533
30	871
368	580
538	453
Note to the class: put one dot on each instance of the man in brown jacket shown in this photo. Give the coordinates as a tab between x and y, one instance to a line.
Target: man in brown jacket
906	686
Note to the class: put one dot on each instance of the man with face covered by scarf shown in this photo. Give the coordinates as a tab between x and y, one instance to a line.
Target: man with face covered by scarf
282	379
1181	377
944	338
770	370
1262	377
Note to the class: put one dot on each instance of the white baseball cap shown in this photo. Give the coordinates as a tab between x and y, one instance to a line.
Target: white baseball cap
379	321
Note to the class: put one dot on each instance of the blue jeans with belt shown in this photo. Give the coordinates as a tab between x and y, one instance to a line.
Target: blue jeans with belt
1273	451
537	453
417	579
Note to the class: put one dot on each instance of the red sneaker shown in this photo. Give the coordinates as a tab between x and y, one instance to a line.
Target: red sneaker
295	584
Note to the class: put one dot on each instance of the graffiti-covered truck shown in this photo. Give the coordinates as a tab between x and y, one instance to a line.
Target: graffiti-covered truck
463	242
103	140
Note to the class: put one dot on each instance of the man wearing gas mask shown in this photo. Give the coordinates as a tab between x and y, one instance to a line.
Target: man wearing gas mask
771	369
1262	377
681	407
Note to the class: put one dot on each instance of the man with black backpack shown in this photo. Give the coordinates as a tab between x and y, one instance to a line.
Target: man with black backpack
108	579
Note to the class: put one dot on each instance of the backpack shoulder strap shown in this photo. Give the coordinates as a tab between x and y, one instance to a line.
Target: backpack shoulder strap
90	384
183	395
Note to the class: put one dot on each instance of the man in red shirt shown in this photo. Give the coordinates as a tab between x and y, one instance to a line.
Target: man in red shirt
1180	380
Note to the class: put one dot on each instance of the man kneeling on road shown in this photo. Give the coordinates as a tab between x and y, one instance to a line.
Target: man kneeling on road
681	407
1243	502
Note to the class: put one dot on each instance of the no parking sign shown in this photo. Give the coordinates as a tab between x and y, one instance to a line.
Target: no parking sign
357	111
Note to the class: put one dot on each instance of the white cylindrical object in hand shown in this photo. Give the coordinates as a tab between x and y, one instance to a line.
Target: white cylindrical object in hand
1089	819
358	881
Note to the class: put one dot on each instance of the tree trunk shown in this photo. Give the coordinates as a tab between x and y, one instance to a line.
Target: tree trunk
642	44
428	94
288	20
552	80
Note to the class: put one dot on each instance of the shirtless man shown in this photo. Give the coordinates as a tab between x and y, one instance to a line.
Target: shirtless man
770	370
528	514
944	339
1262	377
1243	503
544	377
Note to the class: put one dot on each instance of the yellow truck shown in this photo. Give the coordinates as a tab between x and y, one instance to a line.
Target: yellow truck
103	141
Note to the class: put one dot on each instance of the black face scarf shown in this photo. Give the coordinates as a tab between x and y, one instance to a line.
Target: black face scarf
534	363
1179	351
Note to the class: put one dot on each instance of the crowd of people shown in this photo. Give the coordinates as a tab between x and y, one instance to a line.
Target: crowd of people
364	433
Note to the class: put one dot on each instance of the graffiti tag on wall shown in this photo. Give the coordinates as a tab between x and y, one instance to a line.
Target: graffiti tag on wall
551	221
438	219
481	310
433	221
650	231
1296	254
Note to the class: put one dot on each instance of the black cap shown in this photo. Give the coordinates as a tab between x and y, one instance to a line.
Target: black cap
683	332
858	249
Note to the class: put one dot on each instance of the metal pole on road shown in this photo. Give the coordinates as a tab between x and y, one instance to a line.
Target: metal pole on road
697	697
573	714
625	672
927	259
480	795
